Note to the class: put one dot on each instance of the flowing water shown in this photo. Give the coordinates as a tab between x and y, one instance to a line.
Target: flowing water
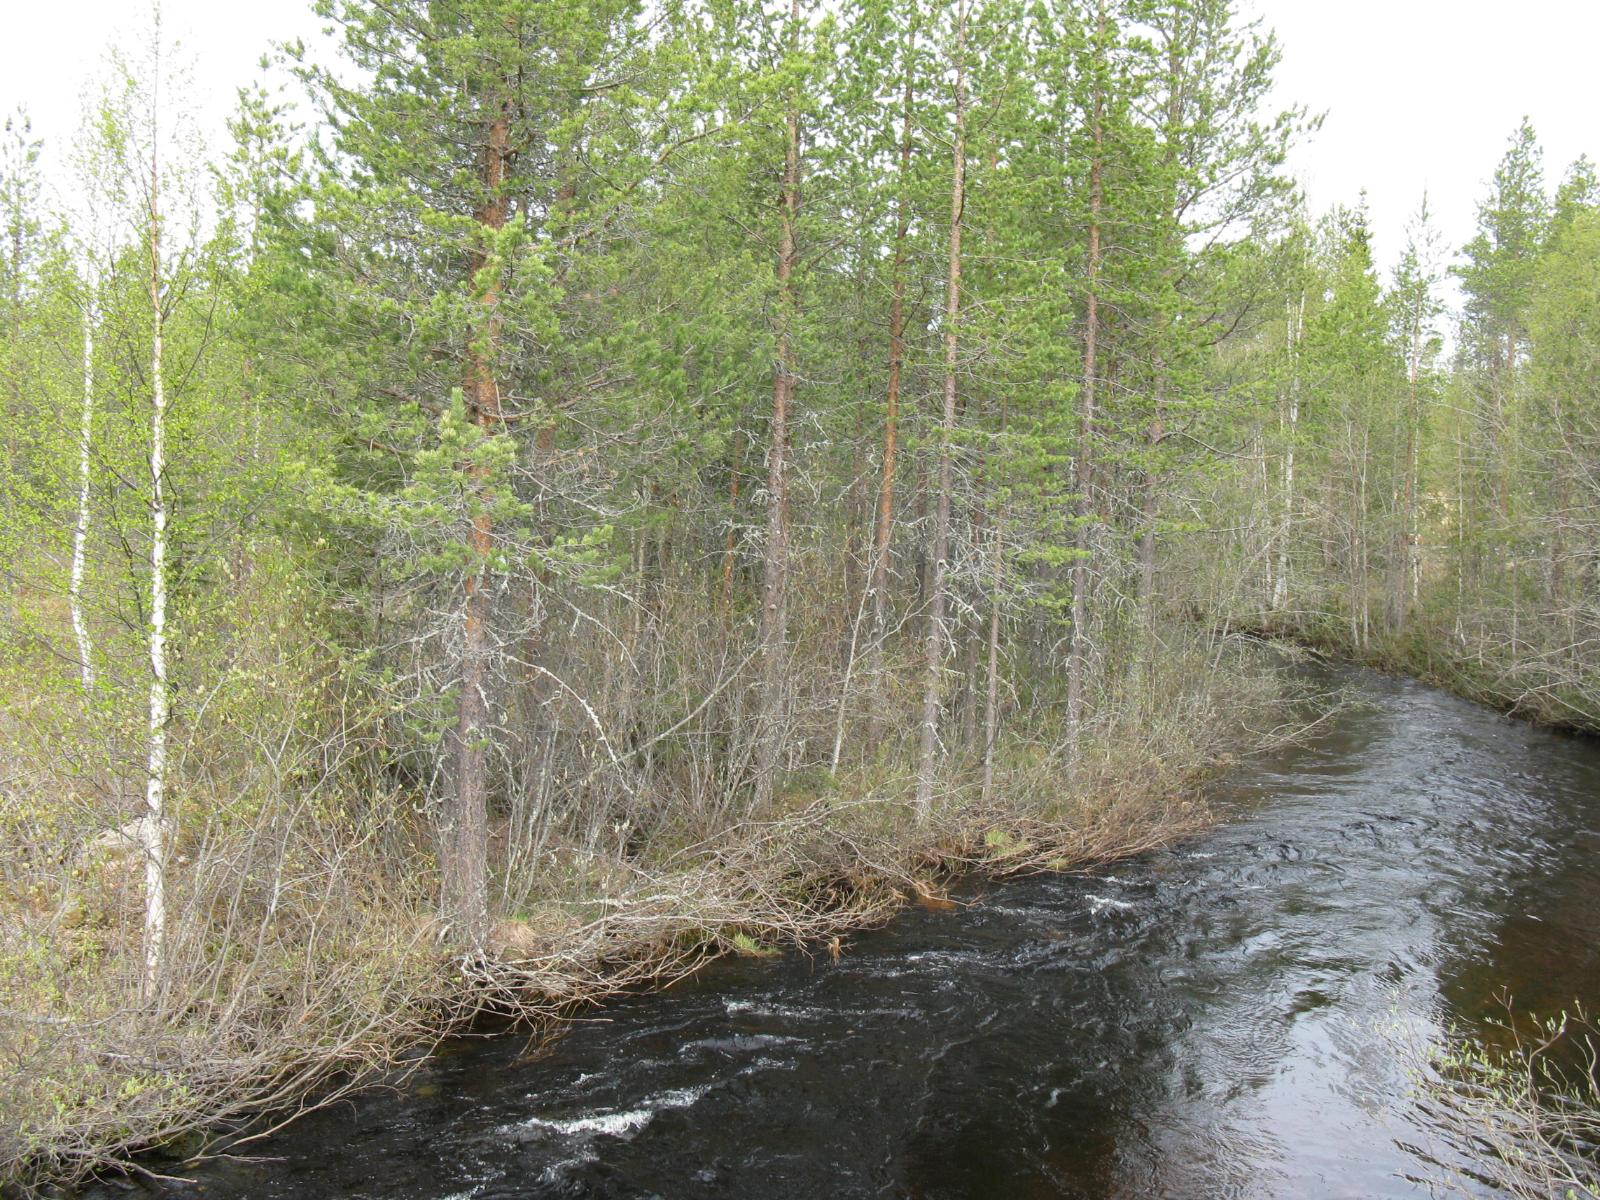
1218	1019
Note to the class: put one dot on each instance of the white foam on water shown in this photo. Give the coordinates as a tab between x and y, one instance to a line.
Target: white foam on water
616	1124
942	957
755	1008
681	1097
557	1171
766	1064
1023	911
1100	903
739	1042
807	1012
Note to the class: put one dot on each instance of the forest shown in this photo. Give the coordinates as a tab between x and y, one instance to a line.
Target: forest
576	487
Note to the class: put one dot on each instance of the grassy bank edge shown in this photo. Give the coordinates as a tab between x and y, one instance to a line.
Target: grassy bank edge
1421	654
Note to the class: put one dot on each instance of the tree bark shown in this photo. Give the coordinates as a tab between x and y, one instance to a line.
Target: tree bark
1078	649
883	533
934	658
465	856
1409	581
991	700
1280	586
774	628
80	530
153	828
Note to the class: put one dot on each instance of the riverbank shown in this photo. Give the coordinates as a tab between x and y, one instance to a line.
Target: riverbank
1219	1017
1442	657
343	985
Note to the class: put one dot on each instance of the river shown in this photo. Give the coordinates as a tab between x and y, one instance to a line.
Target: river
1216	1019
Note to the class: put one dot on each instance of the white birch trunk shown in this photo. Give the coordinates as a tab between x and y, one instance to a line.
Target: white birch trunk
1280	586
153	831
80	532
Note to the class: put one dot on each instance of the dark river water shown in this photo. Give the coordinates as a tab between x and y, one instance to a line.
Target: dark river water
1218	1019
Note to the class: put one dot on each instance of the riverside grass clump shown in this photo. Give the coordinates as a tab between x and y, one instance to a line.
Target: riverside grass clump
307	957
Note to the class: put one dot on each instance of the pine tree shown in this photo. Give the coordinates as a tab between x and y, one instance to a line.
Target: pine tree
1415	310
441	190
1496	279
950	328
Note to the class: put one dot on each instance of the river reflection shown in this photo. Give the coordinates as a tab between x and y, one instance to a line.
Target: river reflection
1212	1020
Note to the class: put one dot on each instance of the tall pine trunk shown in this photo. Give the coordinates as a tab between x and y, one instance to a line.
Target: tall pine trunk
464	861
1078	648
884	529
774	628
1408	581
933	665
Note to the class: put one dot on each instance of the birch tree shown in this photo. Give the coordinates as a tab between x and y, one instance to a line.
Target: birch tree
80	527
142	135
1415	309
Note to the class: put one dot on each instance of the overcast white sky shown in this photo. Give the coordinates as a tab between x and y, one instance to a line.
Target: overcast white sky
1419	93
